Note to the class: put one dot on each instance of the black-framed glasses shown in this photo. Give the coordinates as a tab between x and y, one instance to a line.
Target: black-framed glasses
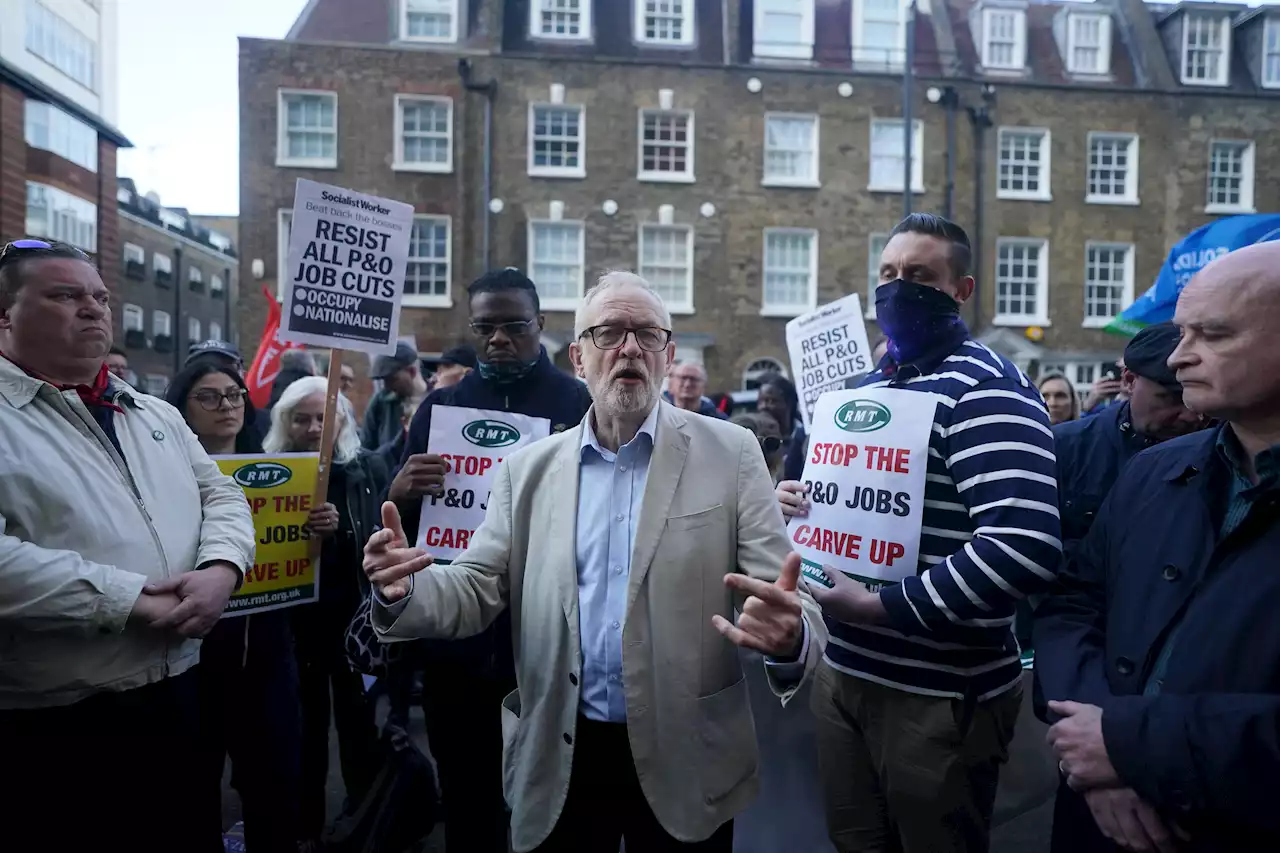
511	328
211	400
648	338
19	249
770	444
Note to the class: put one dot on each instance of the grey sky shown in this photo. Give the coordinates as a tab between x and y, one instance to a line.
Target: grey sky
179	94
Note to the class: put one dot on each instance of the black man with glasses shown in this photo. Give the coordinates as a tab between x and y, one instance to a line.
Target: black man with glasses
465	680
120	543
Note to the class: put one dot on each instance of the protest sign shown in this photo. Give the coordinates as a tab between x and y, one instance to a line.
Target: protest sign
473	442
344	277
868	456
828	347
279	490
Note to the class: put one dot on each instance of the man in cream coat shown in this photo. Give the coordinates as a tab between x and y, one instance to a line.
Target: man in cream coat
623	548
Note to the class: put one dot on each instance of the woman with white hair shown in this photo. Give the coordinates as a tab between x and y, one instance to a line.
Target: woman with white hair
357	479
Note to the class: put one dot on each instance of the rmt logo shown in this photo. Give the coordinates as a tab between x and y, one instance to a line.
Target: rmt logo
490	433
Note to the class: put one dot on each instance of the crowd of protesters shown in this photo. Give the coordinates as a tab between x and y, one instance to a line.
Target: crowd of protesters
580	666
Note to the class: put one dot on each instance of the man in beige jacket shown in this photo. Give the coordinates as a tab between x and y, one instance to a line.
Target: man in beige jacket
623	547
120	542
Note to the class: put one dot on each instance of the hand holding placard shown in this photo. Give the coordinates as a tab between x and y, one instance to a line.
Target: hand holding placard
771	621
848	600
388	559
792	498
422	474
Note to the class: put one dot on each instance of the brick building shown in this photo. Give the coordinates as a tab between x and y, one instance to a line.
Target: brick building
57	137
178	286
748	156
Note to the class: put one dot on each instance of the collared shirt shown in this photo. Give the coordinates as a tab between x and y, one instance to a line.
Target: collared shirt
1242	496
610	493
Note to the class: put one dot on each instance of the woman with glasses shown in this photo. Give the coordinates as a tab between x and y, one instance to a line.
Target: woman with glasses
778	398
767	432
247	670
357	478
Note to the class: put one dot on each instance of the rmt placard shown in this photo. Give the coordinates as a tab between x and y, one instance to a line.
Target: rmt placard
344	277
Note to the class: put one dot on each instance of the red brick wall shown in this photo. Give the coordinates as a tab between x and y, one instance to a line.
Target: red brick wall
108	218
13	164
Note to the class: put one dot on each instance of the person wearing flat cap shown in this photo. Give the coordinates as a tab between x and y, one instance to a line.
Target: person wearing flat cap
402	389
451	365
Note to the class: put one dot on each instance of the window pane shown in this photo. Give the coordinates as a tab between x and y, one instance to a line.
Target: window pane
789	148
556	253
427	273
788	270
665	143
1018	280
665	261
557	138
1020	162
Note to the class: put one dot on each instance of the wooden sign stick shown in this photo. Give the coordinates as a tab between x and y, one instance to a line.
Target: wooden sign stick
328	434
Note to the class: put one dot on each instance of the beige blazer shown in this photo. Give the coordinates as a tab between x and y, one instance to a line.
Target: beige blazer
708	509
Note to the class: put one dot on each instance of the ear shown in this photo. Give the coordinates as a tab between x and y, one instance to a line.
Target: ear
1127	380
964	289
575	357
671	359
542	322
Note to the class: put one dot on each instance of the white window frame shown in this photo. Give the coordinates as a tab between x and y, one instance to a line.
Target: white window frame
686	177
215	331
194	330
402	165
767	310
282	132
1126	295
579	171
1130	195
765	50
873	270
1104	43
1223	22
917	158
759	367
1045	192
559	303
161	324
139	254
1019	62
1041	315
685	306
1248	177
814	179
876	58
433	300
215	284
162	263
65	217
283	215
194	275
1270	30
455	12
687	17
133	318
536	8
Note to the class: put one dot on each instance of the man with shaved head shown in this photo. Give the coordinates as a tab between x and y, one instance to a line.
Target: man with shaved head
1159	648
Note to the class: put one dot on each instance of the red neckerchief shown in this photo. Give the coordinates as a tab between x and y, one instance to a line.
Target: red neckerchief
90	395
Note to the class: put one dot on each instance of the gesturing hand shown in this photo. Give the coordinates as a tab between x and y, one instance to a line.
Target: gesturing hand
1130	821
1077	741
771	620
204	595
848	600
421	474
388	559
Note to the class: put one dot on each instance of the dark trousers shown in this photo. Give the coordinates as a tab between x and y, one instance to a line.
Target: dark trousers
114	771
606	806
1074	829
252	714
463	709
322	665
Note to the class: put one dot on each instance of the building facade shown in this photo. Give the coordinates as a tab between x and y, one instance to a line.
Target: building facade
749	157
58	141
178	286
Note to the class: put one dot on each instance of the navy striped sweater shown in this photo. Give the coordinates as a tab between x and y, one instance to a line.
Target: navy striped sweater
990	536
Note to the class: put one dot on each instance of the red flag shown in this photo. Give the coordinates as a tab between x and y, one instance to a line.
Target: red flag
266	364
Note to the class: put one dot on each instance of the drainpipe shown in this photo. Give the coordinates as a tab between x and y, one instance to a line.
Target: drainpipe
489	90
980	117
175	322
908	84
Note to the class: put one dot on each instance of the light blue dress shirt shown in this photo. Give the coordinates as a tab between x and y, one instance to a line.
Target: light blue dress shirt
610	492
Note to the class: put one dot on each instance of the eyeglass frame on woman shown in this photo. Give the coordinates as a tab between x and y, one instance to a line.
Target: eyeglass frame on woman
222	396
510	328
764	439
627	330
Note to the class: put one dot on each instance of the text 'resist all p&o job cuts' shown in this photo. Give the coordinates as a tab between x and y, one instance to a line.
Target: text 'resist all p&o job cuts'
868	456
472	442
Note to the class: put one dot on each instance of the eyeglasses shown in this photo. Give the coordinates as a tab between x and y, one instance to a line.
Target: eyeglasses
770	444
512	329
211	400
19	249
649	338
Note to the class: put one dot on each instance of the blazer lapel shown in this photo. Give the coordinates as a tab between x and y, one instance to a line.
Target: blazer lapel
562	556
669	452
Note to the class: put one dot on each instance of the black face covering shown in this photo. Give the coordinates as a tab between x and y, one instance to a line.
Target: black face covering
915	317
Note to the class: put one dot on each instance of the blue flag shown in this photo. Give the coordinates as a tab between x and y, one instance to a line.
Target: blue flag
1186	259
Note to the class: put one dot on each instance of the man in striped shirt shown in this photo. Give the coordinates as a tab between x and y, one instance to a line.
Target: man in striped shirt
921	685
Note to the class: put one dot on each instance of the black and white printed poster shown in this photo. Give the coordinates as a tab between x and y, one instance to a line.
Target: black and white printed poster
344	277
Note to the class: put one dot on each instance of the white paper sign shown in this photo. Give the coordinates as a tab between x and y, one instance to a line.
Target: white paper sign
868	455
828	347
344	277
473	442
